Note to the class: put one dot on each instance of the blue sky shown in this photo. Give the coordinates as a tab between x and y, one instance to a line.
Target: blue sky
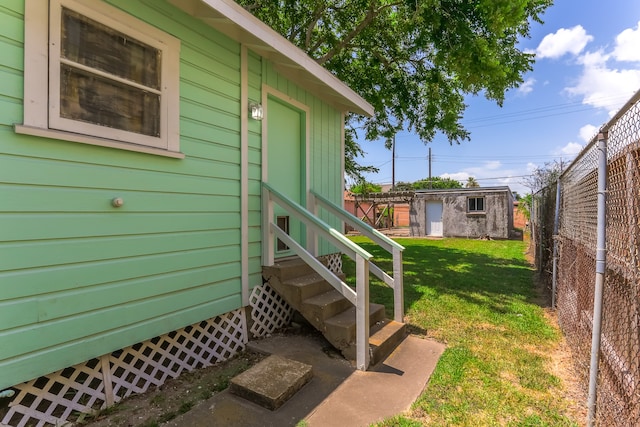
587	66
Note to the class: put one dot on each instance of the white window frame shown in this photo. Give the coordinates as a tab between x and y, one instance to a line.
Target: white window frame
476	211
42	79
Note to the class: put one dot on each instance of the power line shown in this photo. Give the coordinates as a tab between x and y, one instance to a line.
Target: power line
573	107
503	177
385	180
474	160
539	112
445	156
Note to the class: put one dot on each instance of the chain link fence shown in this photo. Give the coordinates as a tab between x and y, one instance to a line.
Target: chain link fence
542	231
618	374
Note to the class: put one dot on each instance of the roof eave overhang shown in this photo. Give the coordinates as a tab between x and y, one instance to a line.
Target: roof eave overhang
232	20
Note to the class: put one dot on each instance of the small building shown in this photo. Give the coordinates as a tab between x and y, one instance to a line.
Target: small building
463	212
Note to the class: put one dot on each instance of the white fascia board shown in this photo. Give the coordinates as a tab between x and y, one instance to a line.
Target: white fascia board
232	20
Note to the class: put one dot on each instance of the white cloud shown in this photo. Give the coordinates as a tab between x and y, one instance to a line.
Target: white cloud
496	174
594	59
600	84
563	41
587	132
527	86
604	87
568	151
492	165
458	176
627	43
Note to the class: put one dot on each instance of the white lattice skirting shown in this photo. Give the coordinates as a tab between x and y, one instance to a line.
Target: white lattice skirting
269	312
333	262
99	383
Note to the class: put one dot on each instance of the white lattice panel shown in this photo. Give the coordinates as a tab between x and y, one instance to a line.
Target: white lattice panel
334	262
138	367
51	399
269	311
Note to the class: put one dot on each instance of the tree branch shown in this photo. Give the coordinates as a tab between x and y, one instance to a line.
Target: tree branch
317	14
372	13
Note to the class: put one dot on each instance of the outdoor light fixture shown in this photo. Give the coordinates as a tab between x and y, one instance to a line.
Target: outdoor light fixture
255	110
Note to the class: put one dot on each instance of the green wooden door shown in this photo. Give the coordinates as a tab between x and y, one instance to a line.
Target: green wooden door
286	171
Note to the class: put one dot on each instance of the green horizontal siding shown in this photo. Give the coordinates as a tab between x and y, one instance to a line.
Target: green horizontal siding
57	251
46	172
94	274
81	278
10	111
48	306
63	328
28	198
48	360
12	20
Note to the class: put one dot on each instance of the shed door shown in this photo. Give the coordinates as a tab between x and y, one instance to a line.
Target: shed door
434	218
285	165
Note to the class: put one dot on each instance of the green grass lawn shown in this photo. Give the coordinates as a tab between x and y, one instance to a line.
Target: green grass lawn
478	297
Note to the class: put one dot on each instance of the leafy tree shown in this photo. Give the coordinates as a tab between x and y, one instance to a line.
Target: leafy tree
404	186
471	183
423	184
545	175
436	183
524	205
414	61
365	187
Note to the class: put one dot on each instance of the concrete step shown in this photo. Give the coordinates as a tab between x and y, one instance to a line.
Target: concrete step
321	307
271	382
296	290
384	337
287	269
340	330
330	312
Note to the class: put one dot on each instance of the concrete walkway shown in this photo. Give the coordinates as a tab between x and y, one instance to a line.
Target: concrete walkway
337	395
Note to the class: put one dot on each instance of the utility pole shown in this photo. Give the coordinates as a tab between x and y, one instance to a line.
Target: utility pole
430	185
393	164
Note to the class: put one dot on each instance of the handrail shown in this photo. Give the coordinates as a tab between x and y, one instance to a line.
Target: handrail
361	257
359	225
329	232
320	268
391	246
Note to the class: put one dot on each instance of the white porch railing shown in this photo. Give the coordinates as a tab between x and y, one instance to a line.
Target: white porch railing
316	227
394	248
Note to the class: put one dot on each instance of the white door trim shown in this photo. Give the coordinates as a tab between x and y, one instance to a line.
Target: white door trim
428	228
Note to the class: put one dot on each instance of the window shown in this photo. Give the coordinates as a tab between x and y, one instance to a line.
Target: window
105	76
475	204
283	223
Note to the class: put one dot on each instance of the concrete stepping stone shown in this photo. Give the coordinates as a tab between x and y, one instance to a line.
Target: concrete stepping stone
271	382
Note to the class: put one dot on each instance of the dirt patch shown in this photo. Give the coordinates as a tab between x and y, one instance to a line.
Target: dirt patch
561	365
174	397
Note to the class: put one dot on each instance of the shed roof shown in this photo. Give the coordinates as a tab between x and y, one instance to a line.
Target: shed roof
476	190
232	20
